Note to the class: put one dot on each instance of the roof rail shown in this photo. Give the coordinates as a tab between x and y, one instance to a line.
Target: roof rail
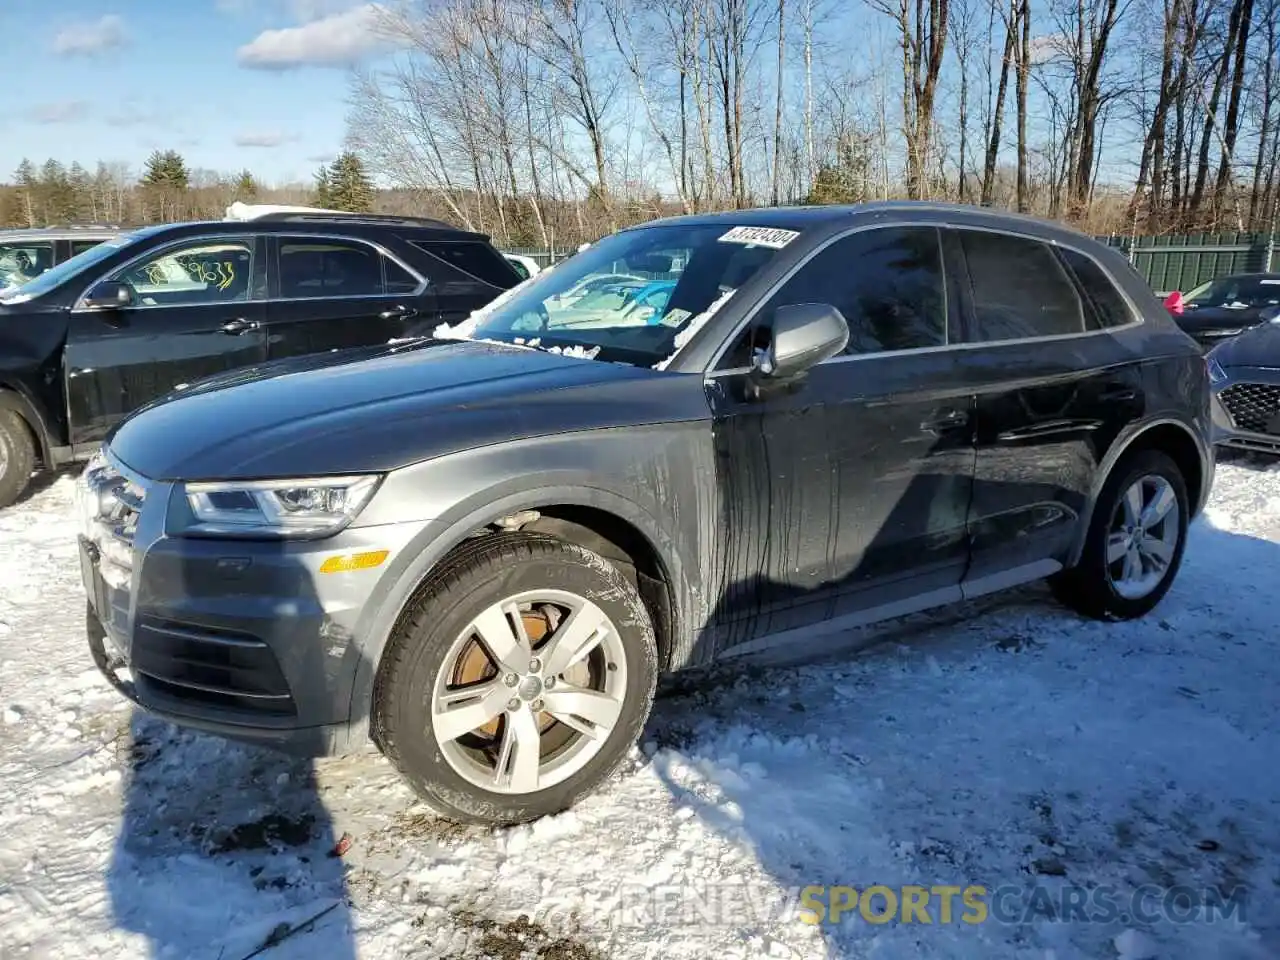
298	214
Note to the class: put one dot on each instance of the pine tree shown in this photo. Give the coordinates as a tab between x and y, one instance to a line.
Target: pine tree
246	188
324	196
56	202
80	194
165	183
349	186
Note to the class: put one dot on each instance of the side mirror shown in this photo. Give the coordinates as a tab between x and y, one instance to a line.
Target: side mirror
803	335
1173	302
109	295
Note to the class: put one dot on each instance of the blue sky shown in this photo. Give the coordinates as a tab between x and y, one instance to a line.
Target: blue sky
228	83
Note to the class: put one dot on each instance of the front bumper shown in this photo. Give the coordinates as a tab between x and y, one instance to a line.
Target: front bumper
247	639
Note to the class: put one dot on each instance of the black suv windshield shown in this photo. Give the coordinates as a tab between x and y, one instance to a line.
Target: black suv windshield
1238	292
634	297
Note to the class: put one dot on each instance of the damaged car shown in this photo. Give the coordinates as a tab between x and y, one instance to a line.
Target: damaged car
479	549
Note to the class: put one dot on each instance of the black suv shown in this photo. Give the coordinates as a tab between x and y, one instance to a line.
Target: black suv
92	339
481	548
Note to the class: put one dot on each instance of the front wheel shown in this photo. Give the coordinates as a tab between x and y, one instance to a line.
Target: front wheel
518	681
1135	542
17	457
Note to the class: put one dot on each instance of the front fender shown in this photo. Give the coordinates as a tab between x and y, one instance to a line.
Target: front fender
646	477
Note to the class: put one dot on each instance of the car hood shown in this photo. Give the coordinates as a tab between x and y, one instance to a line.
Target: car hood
1218	318
1259	347
378	409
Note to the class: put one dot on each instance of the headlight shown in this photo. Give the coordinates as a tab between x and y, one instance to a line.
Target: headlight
1216	373
306	509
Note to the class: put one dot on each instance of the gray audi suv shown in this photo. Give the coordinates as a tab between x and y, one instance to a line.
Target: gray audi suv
479	549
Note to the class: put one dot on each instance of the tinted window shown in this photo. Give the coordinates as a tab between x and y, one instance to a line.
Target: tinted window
399	280
1108	305
21	261
519	268
888	283
329	268
478	260
1019	288
80	246
207	272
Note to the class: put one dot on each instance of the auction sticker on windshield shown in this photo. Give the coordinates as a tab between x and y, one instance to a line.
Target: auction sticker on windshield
760	236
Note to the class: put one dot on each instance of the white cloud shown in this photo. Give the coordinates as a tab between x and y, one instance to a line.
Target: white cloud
60	111
89	38
265	139
337	40
1049	47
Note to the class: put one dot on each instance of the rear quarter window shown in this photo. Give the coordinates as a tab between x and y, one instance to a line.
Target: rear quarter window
1108	305
478	260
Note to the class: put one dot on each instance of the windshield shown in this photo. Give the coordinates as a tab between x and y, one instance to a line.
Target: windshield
635	297
1239	292
54	277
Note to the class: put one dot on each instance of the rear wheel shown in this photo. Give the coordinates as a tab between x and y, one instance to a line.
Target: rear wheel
1135	542
519	680
17	457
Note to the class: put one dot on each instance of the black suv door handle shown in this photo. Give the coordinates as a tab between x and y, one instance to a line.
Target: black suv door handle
238	326
945	420
399	310
1118	394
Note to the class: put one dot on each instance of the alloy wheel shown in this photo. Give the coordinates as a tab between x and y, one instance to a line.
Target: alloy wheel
1143	538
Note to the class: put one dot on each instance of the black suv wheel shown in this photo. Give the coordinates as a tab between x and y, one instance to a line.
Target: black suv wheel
17	457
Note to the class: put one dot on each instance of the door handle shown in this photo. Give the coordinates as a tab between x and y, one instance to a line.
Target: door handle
238	326
1118	394
397	311
945	420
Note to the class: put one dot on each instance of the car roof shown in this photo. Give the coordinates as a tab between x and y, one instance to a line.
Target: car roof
285	220
833	216
71	232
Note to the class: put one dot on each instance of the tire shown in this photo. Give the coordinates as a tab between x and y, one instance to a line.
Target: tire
1095	587
17	457
429	659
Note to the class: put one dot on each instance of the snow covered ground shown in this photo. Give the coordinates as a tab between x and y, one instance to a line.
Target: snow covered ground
1007	744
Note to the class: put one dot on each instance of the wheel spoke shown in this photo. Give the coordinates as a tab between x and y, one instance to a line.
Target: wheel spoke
581	633
1159	505
1117	547
511	651
1132	565
1133	504
573	705
1156	550
519	756
459	712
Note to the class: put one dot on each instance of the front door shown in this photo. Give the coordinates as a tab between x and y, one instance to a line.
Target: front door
848	491
192	317
337	293
1053	389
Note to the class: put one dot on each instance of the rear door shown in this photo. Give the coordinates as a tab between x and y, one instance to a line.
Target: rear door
333	293
1053	387
197	311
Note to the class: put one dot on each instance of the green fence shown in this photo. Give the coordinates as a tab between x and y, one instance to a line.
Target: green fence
1168	263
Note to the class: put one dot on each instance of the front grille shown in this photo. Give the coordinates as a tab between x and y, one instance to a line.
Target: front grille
1253	406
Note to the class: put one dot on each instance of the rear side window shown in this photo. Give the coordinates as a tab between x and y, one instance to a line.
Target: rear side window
1020	290
312	268
1110	308
477	260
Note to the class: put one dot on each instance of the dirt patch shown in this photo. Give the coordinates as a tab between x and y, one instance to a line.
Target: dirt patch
272	831
518	938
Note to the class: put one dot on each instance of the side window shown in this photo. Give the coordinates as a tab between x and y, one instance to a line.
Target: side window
1019	289
1110	308
888	282
399	280
80	246
207	272
477	260
328	268
20	262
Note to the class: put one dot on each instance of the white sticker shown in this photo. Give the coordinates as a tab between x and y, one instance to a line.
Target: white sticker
760	236
1269	283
